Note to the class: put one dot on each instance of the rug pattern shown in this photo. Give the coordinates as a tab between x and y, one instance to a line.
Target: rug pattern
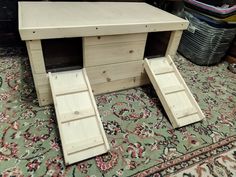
142	139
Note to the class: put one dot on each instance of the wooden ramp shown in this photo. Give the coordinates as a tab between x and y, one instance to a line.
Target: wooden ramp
175	96
81	131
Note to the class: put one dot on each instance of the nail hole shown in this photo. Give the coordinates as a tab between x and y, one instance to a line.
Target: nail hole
33	31
76	112
96	28
131	51
99	37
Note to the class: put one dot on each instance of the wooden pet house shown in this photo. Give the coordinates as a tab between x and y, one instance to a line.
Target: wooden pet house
80	49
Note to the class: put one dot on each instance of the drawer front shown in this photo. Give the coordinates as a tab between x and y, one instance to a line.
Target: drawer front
113	49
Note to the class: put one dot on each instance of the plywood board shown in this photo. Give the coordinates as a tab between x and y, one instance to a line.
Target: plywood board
44	20
81	131
176	98
114	72
120	84
116	77
113	52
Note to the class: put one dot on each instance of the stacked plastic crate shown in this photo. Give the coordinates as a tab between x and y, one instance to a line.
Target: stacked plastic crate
209	34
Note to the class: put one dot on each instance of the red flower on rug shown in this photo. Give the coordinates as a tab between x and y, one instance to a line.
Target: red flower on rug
170	153
54	145
144	131
4	117
83	167
54	166
4	96
9	150
112	127
136	150
12	172
33	165
127	111
107	161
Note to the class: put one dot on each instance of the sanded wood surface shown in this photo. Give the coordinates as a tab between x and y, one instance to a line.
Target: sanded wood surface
176	98
34	49
114	72
43	20
103	50
81	131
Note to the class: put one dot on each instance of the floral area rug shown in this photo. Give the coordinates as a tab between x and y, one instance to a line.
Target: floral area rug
142	140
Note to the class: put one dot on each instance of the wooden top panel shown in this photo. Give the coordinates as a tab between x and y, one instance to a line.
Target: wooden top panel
40	20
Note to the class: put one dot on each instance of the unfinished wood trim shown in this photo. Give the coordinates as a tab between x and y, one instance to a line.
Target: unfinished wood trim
188	115
57	113
53	33
169	92
99	40
44	90
94	151
67	21
70	83
151	76
76	112
113	72
183	112
66	117
173	43
19	16
36	58
41	79
95	109
187	120
188	90
44	96
80	146
163	71
76	118
121	84
173	89
35	45
70	92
